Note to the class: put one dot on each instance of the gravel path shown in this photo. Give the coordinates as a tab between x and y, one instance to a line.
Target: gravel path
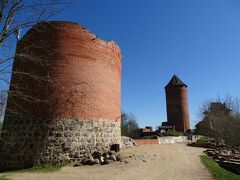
148	162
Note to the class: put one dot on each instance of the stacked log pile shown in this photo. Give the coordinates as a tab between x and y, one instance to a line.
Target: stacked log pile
227	157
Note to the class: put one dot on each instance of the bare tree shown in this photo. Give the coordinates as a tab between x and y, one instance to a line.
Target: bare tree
0	128
18	16
129	125
3	99
221	120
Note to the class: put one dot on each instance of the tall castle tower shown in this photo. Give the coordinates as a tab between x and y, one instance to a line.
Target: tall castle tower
177	104
65	98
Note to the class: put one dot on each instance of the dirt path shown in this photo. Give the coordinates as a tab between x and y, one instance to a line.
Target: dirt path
163	162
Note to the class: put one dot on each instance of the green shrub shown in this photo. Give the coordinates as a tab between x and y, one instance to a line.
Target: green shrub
202	140
173	133
150	137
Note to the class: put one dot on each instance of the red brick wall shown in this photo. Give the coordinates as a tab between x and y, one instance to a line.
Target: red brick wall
146	141
147	130
84	73
177	107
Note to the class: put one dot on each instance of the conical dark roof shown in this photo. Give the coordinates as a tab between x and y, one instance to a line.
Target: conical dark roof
175	82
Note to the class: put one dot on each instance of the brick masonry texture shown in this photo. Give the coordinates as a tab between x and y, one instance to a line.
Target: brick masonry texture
83	73
177	107
146	141
66	86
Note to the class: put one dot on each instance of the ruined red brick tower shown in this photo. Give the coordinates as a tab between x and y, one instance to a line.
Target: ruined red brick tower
177	104
65	97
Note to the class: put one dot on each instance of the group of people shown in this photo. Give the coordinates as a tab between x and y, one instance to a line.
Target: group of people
190	137
191	134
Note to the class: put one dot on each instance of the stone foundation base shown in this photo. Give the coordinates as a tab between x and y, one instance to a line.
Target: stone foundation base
32	142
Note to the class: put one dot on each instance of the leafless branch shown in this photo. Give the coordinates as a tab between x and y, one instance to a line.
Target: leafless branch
16	15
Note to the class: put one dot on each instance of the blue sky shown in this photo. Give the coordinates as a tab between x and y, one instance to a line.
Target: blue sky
197	40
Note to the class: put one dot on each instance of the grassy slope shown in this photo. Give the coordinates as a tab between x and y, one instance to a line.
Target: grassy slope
217	171
42	169
3	178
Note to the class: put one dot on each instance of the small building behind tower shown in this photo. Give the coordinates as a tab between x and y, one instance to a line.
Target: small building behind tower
177	104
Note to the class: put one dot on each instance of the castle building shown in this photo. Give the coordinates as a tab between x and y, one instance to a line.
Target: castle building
64	97
177	104
206	125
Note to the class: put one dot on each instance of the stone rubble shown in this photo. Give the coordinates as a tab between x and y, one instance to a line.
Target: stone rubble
103	155
172	139
97	157
127	142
